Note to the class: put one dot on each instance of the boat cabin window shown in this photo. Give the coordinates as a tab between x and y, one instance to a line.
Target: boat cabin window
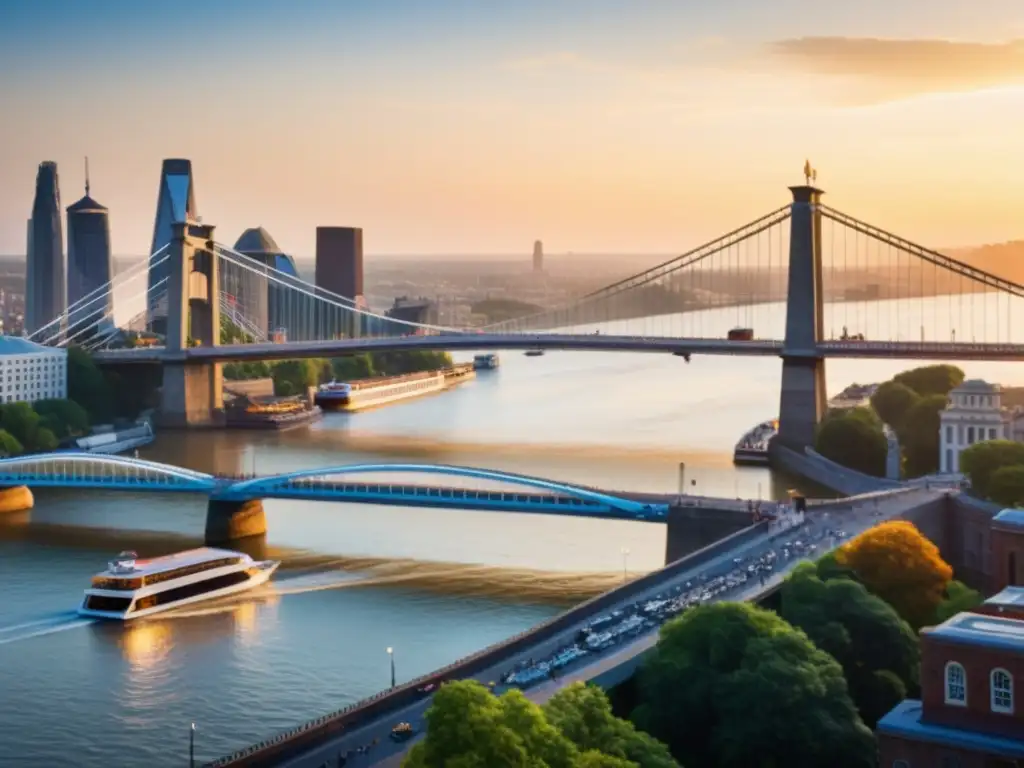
99	582
188	570
191	590
101	603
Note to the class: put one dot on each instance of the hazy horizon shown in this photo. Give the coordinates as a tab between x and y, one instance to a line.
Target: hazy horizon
462	129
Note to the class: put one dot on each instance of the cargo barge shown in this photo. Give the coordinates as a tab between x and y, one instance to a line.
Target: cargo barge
383	390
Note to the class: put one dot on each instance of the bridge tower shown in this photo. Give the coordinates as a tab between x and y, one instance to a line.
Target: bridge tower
803	400
192	393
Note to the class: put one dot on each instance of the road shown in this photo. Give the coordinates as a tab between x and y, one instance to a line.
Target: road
851	520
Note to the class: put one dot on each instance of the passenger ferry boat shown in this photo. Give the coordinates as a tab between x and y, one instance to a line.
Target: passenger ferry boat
356	395
753	446
485	362
131	588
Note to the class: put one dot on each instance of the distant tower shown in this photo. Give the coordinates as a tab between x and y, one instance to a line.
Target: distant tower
45	293
538	256
175	203
339	260
88	259
260	299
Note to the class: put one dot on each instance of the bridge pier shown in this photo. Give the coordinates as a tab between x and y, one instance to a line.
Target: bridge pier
227	521
192	395
688	529
803	399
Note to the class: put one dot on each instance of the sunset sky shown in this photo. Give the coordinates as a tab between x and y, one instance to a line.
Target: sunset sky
475	127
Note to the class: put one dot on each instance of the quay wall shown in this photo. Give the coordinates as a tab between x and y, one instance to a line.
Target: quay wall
274	750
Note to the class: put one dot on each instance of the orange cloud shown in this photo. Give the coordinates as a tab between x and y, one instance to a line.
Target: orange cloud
885	70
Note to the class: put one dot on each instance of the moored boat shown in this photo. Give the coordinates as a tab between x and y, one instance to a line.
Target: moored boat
753	446
131	588
485	362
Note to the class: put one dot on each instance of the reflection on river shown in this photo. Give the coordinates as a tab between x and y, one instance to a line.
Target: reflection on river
356	579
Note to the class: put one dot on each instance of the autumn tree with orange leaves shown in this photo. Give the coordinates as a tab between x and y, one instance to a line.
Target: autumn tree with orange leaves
897	563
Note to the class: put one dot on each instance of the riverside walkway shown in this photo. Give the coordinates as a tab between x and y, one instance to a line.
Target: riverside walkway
851	516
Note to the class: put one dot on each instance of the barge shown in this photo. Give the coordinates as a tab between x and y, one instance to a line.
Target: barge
752	449
370	393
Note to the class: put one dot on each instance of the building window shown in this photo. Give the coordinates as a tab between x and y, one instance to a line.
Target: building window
956	684
970	435
949	460
1001	686
1011	569
949	434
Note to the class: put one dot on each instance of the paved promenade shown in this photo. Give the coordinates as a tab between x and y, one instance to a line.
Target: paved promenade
817	528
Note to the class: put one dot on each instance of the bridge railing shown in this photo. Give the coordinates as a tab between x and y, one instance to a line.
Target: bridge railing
273	750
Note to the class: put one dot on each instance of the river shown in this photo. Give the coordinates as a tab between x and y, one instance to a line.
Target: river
433	584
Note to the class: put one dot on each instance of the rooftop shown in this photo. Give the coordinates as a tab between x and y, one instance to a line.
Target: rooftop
1011	596
256	240
16	345
86	204
1009	518
145	566
975	629
974	386
904	720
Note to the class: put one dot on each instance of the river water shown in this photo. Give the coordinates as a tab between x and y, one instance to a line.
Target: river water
433	584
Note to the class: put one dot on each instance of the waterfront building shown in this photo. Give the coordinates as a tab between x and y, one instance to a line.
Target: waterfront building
89	261
971	669
974	414
538	256
30	371
175	203
339	261
45	291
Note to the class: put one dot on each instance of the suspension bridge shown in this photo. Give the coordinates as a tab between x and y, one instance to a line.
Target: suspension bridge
804	282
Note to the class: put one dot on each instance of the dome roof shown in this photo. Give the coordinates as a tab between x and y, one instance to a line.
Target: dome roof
86	204
16	345
977	385
256	240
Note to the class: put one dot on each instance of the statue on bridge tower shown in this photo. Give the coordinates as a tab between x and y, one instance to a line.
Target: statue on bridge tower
810	174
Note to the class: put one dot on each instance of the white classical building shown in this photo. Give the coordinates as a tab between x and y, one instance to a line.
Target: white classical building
30	372
974	414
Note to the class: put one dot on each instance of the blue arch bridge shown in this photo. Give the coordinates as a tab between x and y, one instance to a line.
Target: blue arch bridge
235	509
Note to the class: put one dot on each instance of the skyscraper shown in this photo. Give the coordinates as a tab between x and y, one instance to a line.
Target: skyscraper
538	256
45	295
88	259
175	203
339	261
270	302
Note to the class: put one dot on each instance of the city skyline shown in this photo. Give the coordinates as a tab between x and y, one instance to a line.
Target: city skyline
456	129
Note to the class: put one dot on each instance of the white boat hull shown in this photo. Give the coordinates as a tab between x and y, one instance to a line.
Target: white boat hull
266	567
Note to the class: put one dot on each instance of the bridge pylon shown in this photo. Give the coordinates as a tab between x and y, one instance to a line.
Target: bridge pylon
192	391
803	399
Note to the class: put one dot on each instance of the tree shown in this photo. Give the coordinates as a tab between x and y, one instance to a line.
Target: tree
919	435
583	714
9	445
468	727
44	440
853	440
860	631
1006	486
64	418
892	401
294	377
715	662
897	563
20	421
981	460
959	598
88	387
931	379
353	367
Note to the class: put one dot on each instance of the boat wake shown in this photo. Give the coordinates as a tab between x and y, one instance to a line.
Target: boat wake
61	622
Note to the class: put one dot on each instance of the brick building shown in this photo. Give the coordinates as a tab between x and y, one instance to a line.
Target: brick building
972	677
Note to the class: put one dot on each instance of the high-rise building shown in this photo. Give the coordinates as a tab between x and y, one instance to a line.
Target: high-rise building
269	297
538	256
45	293
339	261
88	260
175	203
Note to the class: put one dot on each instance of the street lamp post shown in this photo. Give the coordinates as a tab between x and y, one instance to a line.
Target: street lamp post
625	558
192	746
391	655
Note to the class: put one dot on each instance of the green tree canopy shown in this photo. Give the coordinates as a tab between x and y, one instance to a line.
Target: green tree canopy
932	379
20	421
732	686
981	460
64	418
88	387
9	445
854	438
919	435
44	440
294	377
352	367
860	631
892	401
246	371
1006	486
583	715
958	598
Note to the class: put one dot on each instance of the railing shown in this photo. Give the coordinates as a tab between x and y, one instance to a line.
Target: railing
273	750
